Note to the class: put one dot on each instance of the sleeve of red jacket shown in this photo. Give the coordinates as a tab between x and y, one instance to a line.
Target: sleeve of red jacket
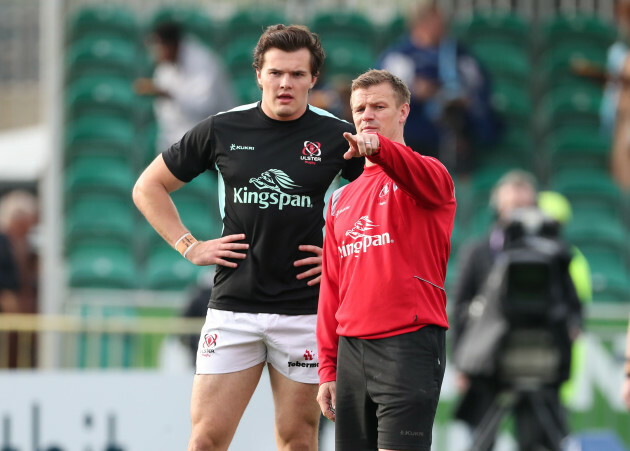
423	178
327	338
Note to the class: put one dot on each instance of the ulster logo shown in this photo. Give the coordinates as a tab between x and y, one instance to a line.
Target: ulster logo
311	152
209	343
209	340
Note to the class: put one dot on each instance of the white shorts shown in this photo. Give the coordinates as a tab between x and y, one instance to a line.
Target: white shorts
234	341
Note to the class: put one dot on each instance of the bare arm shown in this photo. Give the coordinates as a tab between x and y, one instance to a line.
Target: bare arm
151	194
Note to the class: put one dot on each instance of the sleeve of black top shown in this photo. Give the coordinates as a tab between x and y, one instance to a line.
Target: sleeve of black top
193	154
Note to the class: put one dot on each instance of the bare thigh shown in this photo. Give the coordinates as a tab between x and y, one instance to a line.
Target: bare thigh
217	405
296	413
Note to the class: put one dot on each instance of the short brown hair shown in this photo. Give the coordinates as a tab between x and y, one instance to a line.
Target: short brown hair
290	39
375	77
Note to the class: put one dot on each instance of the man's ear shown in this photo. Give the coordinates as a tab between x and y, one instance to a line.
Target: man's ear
313	81
404	113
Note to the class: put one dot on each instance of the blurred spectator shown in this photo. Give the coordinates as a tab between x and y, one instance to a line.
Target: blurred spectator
189	82
9	280
451	116
18	268
515	191
625	390
333	95
558	207
18	218
615	108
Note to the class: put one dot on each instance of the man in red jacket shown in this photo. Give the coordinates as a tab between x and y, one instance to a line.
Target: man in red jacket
382	306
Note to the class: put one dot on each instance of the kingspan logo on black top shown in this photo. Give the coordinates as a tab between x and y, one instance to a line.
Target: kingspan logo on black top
277	182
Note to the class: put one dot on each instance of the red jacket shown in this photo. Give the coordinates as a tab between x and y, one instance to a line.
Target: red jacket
386	247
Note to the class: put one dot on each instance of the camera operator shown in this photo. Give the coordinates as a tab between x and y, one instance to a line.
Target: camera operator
479	263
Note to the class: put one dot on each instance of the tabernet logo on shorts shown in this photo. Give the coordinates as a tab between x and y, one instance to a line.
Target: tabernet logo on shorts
362	240
271	186
209	343
311	152
309	356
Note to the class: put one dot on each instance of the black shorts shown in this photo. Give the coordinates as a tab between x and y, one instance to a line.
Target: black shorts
388	390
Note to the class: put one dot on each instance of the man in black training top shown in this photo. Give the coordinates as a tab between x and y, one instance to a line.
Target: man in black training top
276	159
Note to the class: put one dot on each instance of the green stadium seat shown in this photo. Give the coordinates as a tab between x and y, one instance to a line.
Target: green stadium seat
609	272
577	29
569	106
94	214
98	134
344	25
503	61
99	56
589	189
96	95
556	66
249	24
103	20
191	19
246	88
102	264
204	188
103	173
147	144
347	58
577	147
167	270
239	56
603	232
203	220
515	149
513	102
482	219
488	27
144	114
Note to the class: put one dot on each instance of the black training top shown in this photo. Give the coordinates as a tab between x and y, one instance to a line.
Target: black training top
273	176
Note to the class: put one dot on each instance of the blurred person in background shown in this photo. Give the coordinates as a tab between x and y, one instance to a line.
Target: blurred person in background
557	206
516	190
18	218
18	265
9	279
276	159
451	116
333	94
190	83
615	107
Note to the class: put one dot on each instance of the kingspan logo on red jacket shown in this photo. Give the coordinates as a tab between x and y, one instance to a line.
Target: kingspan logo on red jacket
362	238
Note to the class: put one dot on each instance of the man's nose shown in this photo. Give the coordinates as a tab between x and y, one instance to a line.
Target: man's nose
368	115
285	81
